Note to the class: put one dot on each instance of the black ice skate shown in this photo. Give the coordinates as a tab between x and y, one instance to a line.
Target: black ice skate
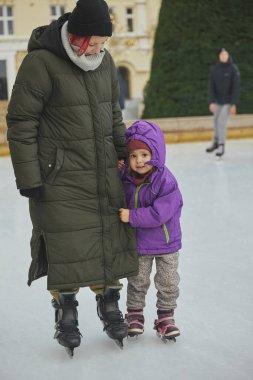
220	151
111	317
165	325
66	318
213	147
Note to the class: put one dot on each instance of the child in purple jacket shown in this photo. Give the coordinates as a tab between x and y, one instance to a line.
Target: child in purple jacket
154	207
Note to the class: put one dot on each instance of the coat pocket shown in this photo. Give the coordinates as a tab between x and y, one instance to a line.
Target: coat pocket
57	167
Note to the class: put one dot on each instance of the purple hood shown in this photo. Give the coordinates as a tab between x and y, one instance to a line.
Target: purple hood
152	135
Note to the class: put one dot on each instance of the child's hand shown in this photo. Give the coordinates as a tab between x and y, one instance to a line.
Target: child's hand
124	214
121	164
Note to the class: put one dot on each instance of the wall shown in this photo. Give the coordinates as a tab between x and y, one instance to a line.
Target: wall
176	130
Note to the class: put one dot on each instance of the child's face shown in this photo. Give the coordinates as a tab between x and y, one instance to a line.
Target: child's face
137	159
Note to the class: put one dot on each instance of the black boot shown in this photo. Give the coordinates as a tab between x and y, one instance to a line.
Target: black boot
220	151
66	318
110	315
213	147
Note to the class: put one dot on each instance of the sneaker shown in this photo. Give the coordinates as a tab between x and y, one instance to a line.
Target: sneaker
135	320
220	150
165	324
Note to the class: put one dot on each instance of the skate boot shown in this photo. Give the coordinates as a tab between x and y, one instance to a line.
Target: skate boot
135	320
220	151
111	317
165	325
213	147
67	333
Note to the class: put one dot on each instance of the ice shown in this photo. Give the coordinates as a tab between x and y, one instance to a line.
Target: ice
215	308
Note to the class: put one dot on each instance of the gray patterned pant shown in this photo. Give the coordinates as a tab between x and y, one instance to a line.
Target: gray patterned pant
166	282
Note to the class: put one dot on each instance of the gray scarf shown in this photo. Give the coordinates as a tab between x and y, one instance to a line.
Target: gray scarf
86	63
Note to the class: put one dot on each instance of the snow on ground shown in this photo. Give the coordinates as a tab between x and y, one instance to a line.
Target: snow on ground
215	310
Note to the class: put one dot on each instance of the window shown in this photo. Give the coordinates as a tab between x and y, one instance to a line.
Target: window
3	81
56	11
130	19
6	20
123	77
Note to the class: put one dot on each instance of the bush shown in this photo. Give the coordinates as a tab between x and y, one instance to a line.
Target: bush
188	37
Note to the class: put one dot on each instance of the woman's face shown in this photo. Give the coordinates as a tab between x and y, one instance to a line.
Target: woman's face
96	44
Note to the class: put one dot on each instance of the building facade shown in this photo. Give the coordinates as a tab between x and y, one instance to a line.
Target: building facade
134	23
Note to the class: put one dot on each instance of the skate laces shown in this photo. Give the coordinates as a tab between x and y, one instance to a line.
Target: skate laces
68	327
135	317
115	316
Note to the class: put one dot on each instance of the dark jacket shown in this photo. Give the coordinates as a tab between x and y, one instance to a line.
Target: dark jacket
224	84
66	133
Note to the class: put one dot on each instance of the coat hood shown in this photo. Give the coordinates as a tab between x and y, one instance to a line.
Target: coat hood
49	37
153	136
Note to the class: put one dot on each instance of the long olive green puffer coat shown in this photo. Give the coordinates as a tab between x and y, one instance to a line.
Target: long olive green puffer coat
66	133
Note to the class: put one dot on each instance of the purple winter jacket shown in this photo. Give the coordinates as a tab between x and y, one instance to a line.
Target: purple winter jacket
155	206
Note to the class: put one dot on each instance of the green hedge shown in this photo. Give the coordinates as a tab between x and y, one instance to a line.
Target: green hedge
188	37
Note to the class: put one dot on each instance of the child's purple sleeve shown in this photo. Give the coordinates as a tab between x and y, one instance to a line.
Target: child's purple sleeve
163	209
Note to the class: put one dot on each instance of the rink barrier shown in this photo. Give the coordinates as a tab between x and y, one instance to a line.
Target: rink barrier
200	128
176	130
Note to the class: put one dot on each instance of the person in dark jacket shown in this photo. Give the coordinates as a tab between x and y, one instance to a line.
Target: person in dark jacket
66	138
154	208
223	94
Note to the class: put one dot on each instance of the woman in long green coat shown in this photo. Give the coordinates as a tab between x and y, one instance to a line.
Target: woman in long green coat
66	139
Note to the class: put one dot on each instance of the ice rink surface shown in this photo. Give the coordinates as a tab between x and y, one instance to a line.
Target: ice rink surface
215	308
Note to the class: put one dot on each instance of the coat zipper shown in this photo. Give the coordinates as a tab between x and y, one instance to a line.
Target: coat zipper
137	195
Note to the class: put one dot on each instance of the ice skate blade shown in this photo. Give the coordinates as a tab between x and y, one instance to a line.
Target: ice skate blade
70	352
164	339
119	343
132	337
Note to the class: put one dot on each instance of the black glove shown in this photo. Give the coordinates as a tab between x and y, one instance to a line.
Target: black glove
34	192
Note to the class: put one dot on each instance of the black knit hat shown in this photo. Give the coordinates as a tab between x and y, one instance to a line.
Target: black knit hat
90	18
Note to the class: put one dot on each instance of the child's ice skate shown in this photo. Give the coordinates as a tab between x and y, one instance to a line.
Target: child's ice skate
135	320
165	325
